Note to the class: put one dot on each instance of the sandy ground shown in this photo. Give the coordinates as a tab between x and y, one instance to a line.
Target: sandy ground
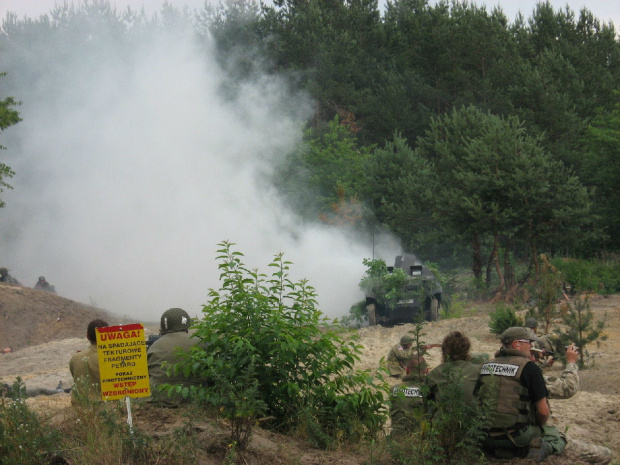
593	414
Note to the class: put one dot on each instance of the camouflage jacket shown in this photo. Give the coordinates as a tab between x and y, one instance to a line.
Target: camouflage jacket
397	359
566	385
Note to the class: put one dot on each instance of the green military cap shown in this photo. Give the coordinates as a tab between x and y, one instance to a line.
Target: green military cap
516	333
406	339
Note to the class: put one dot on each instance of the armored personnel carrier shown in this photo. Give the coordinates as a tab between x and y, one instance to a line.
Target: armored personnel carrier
419	297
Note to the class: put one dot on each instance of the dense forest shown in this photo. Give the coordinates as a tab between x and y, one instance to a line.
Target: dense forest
465	134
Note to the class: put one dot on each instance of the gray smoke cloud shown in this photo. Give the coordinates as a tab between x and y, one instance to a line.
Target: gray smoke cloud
132	165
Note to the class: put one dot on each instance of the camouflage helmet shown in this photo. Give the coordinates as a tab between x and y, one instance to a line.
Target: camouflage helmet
406	339
174	320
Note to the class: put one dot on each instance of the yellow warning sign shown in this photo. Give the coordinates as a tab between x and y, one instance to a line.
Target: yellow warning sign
123	368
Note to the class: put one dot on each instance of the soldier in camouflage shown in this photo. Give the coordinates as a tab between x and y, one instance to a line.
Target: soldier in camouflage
5	277
407	401
399	355
568	383
565	387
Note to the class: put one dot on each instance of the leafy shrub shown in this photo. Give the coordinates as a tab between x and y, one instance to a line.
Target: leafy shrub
458	426
502	318
24	439
386	287
596	275
455	433
271	353
357	315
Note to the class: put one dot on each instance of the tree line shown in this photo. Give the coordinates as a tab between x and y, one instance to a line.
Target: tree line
459	131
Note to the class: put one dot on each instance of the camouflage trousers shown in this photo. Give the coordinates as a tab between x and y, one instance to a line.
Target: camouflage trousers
519	442
580	451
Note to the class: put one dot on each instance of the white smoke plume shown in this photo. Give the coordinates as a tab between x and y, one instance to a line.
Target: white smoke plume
131	166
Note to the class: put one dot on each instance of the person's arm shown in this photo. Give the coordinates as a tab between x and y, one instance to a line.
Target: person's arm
542	411
567	384
535	383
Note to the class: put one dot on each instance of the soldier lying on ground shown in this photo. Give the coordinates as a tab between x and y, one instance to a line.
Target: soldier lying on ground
7	390
43	285
5	277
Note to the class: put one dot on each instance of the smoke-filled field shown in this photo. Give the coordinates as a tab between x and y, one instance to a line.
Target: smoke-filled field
593	414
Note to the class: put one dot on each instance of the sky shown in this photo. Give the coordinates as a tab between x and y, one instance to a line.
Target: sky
605	10
131	166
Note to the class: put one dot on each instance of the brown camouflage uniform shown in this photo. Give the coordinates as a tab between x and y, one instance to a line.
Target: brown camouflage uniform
566	385
580	451
562	388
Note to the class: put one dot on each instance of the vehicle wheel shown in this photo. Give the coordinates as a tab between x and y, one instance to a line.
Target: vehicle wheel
434	310
371	311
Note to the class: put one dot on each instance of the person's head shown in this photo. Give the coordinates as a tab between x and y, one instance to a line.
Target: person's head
406	341
518	338
416	365
174	320
531	323
455	346
41	279
3	271
91	333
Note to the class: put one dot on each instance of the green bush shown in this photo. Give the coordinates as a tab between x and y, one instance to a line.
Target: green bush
271	353
24	439
458	426
357	315
455	433
502	318
596	275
